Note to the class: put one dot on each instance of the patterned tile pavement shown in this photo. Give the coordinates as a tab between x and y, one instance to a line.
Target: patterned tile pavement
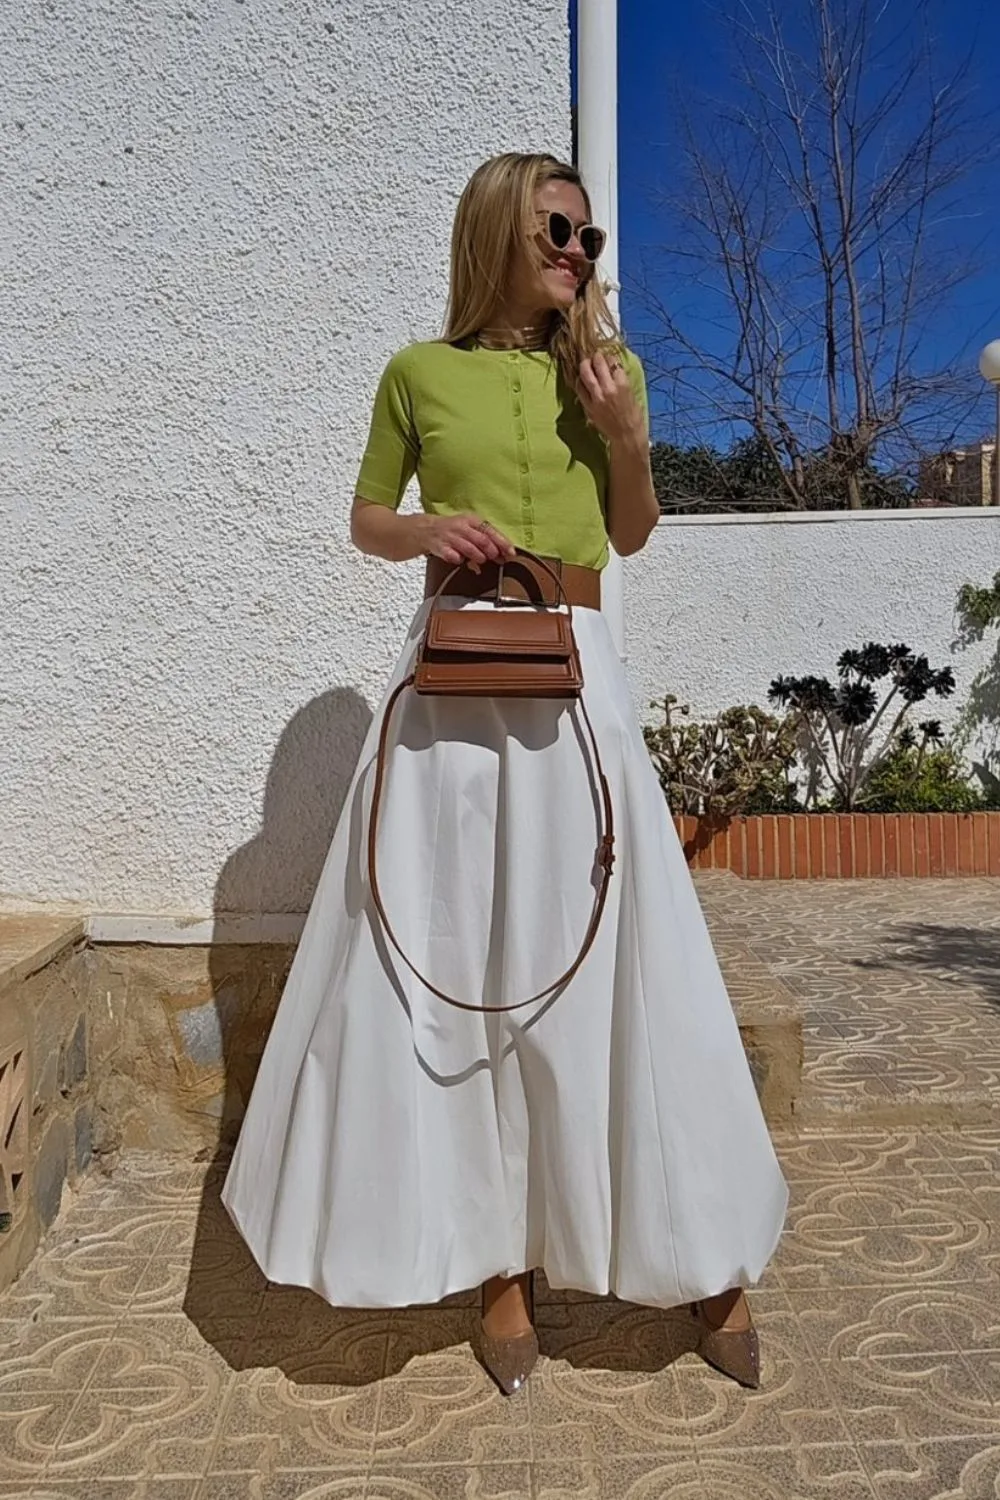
145	1358
899	987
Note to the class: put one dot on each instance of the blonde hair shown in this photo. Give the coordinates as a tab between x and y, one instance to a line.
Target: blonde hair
494	220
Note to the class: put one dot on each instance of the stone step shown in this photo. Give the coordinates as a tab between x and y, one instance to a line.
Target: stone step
45	1108
770	1027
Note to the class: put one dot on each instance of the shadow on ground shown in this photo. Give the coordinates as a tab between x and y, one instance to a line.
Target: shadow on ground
967	957
254	1324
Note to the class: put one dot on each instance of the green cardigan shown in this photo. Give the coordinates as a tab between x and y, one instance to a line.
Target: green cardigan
497	433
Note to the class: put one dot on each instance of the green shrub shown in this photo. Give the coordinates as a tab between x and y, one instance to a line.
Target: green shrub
738	762
907	780
854	725
742	762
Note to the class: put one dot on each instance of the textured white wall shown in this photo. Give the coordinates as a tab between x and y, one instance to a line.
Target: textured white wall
717	608
219	221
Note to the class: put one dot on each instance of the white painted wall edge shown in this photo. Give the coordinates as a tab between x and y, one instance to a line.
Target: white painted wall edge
838	517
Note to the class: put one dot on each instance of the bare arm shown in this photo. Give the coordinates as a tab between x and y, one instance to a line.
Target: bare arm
382	532
610	404
633	509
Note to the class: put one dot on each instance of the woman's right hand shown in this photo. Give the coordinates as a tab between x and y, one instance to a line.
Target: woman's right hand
382	532
463	539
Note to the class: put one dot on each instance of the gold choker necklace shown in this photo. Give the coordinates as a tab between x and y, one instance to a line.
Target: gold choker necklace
515	339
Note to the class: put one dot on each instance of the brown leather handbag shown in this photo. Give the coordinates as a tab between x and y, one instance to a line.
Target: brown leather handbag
516	648
520	648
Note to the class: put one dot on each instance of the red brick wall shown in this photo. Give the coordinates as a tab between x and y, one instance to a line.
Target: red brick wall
815	846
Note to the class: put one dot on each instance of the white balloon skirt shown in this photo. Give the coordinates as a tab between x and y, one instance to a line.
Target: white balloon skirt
396	1150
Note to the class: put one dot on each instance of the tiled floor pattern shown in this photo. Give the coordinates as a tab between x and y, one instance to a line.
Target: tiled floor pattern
899	988
145	1358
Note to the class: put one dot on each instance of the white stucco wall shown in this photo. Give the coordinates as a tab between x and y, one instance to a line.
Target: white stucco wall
219	221
719	607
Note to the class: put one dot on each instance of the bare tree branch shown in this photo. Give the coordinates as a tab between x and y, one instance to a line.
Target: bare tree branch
812	220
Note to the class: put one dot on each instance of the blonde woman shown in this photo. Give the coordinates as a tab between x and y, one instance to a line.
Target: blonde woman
396	1150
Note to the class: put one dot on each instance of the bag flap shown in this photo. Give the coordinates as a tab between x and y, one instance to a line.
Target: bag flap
501	632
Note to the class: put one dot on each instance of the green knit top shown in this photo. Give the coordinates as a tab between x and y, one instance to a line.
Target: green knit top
498	433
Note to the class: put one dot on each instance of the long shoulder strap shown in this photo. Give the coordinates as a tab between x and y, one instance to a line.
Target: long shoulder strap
605	863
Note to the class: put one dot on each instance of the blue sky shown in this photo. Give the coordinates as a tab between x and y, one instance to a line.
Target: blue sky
663	43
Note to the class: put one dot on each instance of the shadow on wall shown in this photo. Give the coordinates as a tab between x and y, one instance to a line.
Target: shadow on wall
983	711
312	768
274	872
978	727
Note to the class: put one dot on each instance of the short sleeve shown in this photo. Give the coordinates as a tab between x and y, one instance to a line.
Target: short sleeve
637	380
390	458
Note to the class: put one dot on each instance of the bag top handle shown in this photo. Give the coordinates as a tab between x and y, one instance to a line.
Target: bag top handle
562	596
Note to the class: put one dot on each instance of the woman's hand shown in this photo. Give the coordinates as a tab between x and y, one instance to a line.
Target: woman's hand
463	539
382	532
611	406
608	400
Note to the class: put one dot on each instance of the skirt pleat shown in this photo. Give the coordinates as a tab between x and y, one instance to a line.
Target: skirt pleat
396	1150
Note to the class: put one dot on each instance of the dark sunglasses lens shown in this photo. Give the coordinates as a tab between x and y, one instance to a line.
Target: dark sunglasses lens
560	230
592	241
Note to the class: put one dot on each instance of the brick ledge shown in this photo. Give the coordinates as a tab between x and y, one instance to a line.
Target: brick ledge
839	846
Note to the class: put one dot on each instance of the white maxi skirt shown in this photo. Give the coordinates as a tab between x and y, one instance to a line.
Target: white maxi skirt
396	1150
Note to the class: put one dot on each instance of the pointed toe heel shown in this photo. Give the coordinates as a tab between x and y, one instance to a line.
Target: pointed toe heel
509	1361
732	1353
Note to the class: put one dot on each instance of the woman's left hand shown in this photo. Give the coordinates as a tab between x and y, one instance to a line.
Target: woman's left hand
608	400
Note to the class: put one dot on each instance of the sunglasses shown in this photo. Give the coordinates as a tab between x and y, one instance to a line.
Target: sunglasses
559	232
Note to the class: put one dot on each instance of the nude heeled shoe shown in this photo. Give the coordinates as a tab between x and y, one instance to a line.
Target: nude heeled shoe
510	1360
736	1354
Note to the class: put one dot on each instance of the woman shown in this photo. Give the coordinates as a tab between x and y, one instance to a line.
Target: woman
396	1150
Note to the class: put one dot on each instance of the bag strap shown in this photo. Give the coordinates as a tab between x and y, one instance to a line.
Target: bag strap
605	863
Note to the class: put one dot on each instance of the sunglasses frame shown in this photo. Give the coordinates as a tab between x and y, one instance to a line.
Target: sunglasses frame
575	232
